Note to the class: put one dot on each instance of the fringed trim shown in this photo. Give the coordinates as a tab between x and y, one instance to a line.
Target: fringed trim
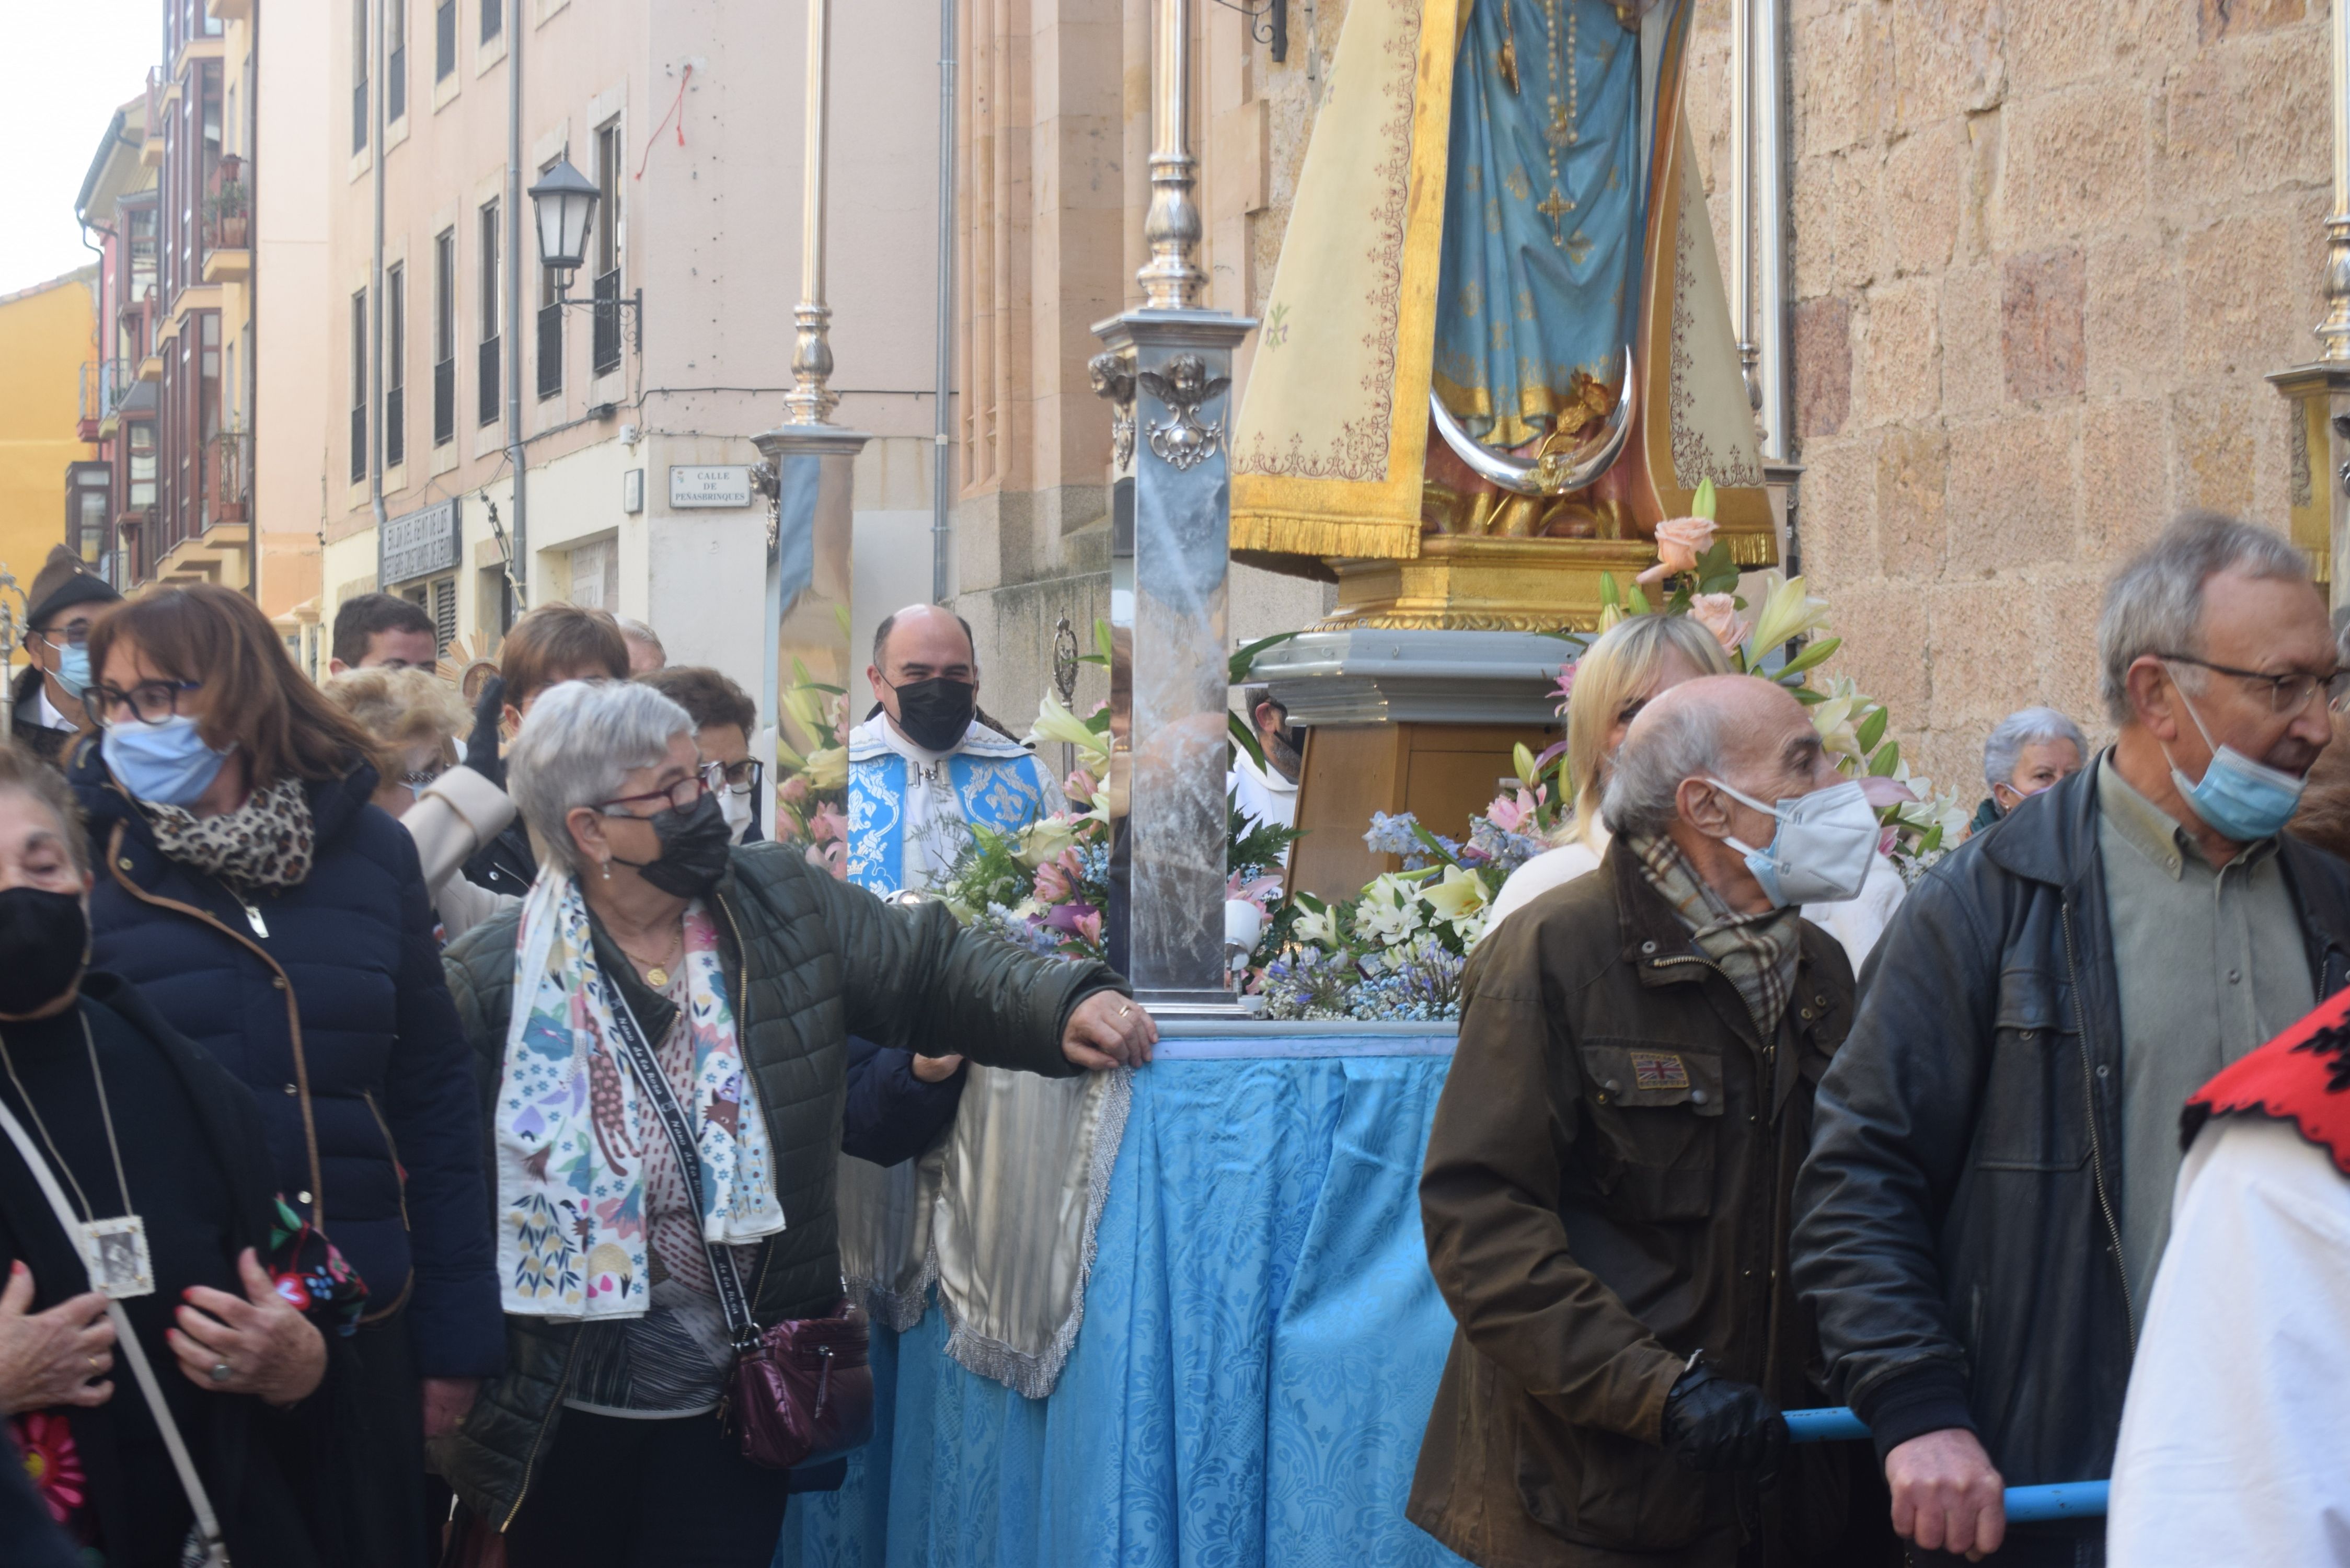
1312	533
1033	1375
900	1310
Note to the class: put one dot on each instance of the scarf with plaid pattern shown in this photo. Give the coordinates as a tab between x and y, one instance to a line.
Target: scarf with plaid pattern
1757	951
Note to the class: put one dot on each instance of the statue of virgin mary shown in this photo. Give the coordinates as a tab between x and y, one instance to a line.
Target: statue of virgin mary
1497	314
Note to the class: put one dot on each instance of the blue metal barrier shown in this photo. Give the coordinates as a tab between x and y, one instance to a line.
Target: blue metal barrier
2025	1504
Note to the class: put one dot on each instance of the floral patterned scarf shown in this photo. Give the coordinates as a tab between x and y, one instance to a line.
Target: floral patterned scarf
268	842
572	1121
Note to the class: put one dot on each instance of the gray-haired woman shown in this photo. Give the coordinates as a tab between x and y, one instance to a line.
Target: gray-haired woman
743	969
2028	750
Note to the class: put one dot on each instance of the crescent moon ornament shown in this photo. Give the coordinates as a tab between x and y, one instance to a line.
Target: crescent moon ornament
1553	475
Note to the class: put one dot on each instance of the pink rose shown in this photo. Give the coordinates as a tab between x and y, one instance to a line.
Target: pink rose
1680	541
1718	613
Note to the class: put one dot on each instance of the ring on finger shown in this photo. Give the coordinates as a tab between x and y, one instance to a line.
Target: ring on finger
221	1372
95	1364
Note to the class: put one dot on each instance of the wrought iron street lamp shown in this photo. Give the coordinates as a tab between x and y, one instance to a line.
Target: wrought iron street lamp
562	205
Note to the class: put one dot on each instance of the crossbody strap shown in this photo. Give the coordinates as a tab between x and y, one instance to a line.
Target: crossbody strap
200	1501
740	1324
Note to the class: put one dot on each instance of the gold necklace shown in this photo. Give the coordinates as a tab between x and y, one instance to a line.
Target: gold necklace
657	974
1562	131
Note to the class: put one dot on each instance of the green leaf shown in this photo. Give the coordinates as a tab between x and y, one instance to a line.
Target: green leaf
1246	656
1813	656
1245	738
1806	696
1886	761
1703	503
1872	728
1101	653
1932	841
1680	603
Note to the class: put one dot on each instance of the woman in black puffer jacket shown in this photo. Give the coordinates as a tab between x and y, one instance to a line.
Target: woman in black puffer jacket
273	916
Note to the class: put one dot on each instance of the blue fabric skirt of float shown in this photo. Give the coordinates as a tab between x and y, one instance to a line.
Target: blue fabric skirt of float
1260	1346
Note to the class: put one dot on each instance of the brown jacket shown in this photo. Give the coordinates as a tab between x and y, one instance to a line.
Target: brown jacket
1607	1192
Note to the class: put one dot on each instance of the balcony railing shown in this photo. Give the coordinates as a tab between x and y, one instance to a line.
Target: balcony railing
444	401
485	383
606	357
227	478
228	209
550	349
103	385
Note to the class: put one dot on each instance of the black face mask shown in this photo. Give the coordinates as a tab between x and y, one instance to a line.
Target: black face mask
44	947
935	713
693	849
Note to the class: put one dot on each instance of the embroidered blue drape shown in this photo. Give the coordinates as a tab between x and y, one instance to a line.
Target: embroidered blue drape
1545	216
1261	1347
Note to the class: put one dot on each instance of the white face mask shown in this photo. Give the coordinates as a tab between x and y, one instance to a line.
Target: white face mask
735	808
1820	852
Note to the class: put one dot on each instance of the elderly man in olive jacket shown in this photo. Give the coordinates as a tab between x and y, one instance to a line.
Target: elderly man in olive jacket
1607	1183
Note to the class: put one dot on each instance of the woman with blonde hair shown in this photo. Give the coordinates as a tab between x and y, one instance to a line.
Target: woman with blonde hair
449	809
1628	667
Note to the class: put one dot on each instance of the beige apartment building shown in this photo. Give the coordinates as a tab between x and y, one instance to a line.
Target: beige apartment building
635	420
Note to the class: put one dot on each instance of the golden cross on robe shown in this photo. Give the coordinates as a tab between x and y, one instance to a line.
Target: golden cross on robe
1554	206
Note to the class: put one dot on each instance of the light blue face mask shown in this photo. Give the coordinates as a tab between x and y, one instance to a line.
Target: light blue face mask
162	765
73	669
2240	799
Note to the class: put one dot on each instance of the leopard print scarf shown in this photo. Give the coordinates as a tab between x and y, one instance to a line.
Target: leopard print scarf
264	843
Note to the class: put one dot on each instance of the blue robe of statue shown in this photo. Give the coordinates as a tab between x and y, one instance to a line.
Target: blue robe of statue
1545	215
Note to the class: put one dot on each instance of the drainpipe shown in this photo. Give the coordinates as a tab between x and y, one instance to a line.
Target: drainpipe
518	531
379	89
942	426
252	390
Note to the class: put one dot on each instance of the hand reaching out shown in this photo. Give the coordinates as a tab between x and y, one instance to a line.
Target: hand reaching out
1108	1030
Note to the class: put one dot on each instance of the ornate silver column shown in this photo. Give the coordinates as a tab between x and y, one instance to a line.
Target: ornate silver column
1168	372
2318	447
807	474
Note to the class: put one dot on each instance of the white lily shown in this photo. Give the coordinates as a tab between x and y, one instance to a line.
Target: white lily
1788	613
1054	723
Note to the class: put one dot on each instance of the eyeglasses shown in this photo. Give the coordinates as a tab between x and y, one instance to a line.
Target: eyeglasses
2288	693
74	634
742	777
682	796
150	702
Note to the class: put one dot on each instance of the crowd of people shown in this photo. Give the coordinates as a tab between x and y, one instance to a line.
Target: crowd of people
1687	1173
432	1096
311	1001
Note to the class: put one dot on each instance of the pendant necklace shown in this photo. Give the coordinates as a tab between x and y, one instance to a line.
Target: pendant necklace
1561	130
657	974
115	1249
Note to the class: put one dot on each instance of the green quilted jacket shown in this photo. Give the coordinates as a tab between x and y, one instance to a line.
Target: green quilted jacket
811	960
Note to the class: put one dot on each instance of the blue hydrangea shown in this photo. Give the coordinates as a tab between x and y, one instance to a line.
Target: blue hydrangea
1396	834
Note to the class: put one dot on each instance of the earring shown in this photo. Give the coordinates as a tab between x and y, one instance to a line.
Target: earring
607	868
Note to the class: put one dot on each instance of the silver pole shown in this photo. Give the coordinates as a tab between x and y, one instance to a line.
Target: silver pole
2335	331
1741	186
942	430
518	530
811	402
1771	199
381	89
1169	280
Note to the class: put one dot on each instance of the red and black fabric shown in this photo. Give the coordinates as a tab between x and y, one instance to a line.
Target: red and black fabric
2301	1077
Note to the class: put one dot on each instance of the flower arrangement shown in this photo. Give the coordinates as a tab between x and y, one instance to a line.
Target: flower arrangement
812	788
